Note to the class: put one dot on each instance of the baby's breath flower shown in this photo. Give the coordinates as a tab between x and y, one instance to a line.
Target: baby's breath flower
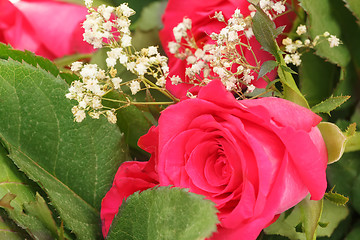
123	59
301	29
296	60
219	16
88	3
110	62
116	81
287	41
94	115
334	41
173	47
152	51
249	33
161	82
287	58
134	87
111	116
141	68
175	80
279	7
250	88
124	10
78	114
76	66
264	4
187	22
126	41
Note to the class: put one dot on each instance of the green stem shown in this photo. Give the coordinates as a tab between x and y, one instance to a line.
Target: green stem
162	90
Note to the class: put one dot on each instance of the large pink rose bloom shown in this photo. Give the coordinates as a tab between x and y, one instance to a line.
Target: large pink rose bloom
49	28
200	12
253	158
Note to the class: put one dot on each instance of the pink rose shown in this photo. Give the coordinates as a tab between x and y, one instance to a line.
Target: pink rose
202	26
253	158
47	27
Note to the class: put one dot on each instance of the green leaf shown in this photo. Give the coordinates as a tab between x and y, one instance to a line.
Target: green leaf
6	199
41	211
332	215
334	139
13	183
317	78
150	17
287	225
336	198
164	213
344	173
354	6
8	231
265	32
355	232
320	20
74	163
311	212
353	143
134	4
267	67
291	91
329	104
7	52
356	193
287	69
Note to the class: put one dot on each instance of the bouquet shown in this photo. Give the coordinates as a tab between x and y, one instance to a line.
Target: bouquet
228	119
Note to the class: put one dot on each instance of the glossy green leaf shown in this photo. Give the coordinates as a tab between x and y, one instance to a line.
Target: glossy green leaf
74	162
267	67
5	201
317	78
331	216
41	211
14	183
311	212
356	193
353	144
349	28
321	20
329	104
7	52
343	174
336	198
292	225
265	32
354	6
134	4
355	232
334	139
164	213
150	17
8	231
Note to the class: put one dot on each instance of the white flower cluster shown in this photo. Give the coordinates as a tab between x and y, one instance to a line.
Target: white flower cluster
293	55
273	8
102	22
109	27
89	92
216	60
